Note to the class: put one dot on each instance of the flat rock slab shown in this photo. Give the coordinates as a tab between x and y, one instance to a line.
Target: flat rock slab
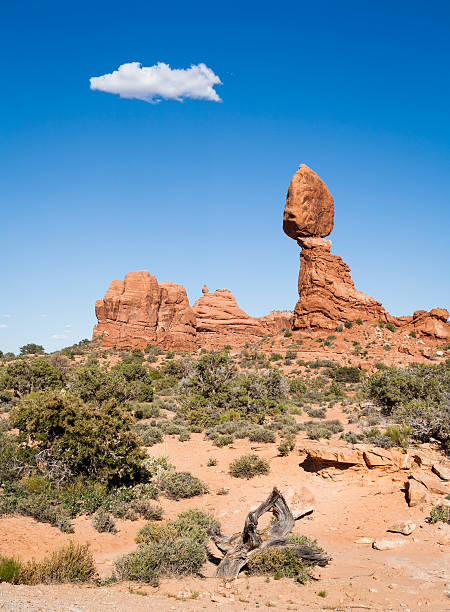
388	543
441	471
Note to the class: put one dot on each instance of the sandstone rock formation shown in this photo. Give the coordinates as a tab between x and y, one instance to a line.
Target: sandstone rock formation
327	295
309	209
139	311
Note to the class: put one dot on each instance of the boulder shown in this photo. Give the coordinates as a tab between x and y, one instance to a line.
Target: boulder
433	485
380	457
403	527
441	471
309	209
340	457
416	493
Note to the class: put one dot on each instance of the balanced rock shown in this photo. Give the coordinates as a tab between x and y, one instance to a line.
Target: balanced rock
309	209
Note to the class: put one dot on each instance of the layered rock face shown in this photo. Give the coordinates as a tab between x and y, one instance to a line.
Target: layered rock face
220	321
139	311
327	294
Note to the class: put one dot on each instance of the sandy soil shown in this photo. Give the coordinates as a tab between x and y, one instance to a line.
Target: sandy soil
348	506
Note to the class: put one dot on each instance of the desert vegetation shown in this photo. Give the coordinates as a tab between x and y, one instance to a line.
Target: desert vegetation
76	428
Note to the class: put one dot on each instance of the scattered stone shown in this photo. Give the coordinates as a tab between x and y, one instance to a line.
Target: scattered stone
441	471
432	484
416	493
364	541
403	527
388	544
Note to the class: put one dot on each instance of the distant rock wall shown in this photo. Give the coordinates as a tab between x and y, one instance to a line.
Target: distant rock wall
139	311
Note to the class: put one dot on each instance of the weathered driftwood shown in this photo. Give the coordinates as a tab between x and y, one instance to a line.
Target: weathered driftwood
239	547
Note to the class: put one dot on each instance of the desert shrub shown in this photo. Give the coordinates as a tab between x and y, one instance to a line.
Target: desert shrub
122	509
391	387
440	513
149	435
179	485
146	411
390	327
176	556
184	435
212	461
324	429
71	563
350	374
297	387
248	466
103	522
426	420
261	435
348	324
27	375
352	437
316	413
93	441
40	507
223	440
339	328
148	510
275	357
286	446
176	548
280	562
359	321
413	334
9	569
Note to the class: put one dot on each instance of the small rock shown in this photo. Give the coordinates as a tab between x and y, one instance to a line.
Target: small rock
416	493
441	471
403	527
364	541
387	544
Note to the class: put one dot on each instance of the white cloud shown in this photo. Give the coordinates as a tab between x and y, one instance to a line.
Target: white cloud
3	325
58	336
68	325
44	316
152	83
8	316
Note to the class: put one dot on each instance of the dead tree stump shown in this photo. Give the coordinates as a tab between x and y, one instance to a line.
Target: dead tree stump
239	547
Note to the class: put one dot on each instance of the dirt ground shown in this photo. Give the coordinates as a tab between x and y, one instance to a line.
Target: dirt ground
347	507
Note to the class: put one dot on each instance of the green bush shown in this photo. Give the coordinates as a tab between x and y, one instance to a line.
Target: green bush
174	549
316	413
39	507
339	328
261	435
346	374
103	522
286	446
149	435
348	324
440	513
27	375
324	429
89	440
390	327
212	461
413	333
180	485
148	510
9	569
223	440
280	562
248	466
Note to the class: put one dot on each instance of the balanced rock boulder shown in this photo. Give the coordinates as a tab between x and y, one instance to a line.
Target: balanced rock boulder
309	209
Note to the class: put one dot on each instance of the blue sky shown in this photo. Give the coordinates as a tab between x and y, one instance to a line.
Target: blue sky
94	185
